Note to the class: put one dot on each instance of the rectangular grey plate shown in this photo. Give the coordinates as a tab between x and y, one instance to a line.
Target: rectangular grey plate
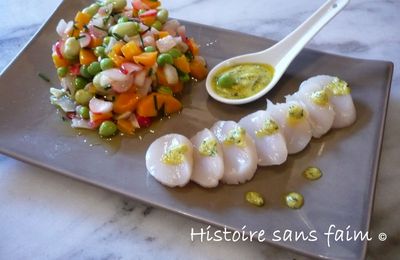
33	132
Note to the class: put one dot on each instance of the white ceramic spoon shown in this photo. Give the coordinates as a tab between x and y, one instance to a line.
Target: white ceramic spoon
282	53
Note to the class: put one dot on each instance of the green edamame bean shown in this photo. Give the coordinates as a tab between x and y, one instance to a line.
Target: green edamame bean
164	58
84	112
184	77
100	51
149	49
82	97
80	82
118	5
106	64
175	53
141	11
125	29
84	72
62	71
71	48
226	80
94	68
106	40
165	90
96	81
157	25
91	10
123	19
162	15
107	129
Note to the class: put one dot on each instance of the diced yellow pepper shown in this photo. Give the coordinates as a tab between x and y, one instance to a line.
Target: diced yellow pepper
163	34
59	62
86	57
146	59
81	19
182	64
130	49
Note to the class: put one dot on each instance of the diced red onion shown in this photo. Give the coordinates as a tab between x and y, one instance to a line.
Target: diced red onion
134	121
137	4
139	78
98	33
149	13
111	44
182	31
171	74
114	75
149	41
129	67
58	47
125	115
99	106
142	91
143	27
61	26
171	27
84	39
66	83
105	10
81	123
118	80
165	44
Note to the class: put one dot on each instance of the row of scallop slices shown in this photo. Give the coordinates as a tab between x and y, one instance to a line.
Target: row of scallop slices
230	151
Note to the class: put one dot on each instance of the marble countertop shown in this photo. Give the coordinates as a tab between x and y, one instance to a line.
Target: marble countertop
46	216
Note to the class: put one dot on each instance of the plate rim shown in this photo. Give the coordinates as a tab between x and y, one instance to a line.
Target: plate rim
376	162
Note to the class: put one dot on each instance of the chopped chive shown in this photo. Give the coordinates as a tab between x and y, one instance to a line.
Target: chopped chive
105	20
44	77
98	27
141	41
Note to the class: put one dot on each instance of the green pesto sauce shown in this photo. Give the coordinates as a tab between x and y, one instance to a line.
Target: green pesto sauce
320	98
338	87
208	147
295	113
175	155
242	80
270	127
236	136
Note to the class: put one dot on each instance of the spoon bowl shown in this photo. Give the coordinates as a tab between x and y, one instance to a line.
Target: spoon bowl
280	55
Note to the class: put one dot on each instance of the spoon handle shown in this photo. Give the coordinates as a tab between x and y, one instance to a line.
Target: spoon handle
296	40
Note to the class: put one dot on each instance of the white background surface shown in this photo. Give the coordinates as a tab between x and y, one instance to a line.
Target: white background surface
45	215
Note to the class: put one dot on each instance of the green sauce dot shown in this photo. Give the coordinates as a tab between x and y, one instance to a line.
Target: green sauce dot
255	198
312	173
294	200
